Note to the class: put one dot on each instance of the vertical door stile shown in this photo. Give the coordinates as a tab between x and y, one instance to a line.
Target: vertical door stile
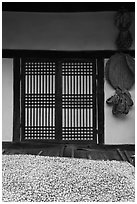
58	101
74	98
43	103
100	97
36	99
65	93
83	99
94	99
27	95
52	102
71	105
90	102
40	102
46	101
80	102
64	102
17	76
49	98
77	101
30	94
68	99
86	106
23	99
33	95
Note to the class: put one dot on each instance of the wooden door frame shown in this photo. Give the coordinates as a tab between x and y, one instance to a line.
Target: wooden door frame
18	54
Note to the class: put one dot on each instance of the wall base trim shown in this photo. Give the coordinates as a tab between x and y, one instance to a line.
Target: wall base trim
6	145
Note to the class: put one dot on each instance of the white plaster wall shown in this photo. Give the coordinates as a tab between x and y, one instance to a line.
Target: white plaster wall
7	99
119	130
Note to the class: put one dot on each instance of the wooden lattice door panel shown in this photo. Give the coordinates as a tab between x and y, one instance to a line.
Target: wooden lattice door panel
39	99
78	100
59	99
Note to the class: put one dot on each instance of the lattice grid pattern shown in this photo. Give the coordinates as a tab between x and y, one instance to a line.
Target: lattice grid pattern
77	101
39	100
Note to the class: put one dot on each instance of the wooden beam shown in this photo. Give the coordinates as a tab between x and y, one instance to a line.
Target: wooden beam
100	99
22	99
94	91
16	100
11	53
45	144
66	6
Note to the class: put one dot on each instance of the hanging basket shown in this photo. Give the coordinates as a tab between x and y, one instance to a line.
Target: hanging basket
123	19
120	70
124	40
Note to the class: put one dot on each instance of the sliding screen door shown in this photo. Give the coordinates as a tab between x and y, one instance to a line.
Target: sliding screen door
39	99
59	100
77	100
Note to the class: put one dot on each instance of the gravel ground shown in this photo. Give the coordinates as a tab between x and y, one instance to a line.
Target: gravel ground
42	179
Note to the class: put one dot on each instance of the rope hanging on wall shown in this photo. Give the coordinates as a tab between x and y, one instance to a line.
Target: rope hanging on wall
120	68
123	22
